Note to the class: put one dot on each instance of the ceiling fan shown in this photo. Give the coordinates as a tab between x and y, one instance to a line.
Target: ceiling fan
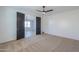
44	11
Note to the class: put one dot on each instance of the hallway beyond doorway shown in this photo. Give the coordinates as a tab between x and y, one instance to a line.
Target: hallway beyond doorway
29	34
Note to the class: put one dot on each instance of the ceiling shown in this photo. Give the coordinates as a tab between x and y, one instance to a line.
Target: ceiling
56	9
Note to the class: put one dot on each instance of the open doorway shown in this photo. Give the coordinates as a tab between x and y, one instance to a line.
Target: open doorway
30	27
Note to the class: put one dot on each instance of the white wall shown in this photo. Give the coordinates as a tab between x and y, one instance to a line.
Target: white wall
65	24
8	23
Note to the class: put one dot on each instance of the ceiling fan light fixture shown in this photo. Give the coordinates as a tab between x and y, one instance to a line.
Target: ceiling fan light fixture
43	13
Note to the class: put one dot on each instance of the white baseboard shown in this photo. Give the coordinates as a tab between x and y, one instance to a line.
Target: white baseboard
7	40
68	37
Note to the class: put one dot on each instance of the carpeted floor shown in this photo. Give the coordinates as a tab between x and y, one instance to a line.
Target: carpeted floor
41	43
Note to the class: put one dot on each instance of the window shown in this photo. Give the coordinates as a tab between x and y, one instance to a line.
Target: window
27	24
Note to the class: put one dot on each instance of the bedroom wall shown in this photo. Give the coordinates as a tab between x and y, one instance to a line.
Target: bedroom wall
65	24
8	23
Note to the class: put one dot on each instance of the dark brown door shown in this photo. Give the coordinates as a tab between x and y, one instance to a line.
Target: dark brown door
38	25
20	25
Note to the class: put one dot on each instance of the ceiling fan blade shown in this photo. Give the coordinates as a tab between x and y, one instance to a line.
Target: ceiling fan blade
39	11
49	10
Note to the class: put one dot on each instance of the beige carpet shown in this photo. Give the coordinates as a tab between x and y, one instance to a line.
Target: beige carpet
41	43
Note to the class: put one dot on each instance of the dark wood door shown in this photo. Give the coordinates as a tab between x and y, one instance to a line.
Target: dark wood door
38	25
20	25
